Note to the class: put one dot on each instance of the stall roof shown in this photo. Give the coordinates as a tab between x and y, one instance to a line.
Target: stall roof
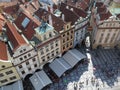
39	80
73	57
15	86
59	66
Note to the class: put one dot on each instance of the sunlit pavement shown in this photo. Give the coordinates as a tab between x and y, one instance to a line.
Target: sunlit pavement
101	73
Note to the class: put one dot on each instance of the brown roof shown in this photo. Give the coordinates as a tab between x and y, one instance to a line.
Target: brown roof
102	9
28	31
31	7
11	8
99	4
15	38
118	16
70	16
57	22
79	4
3	51
105	16
2	20
78	11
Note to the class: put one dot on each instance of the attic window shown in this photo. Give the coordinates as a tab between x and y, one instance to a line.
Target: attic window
25	22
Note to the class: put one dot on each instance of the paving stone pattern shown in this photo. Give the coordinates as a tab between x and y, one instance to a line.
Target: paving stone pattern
101	73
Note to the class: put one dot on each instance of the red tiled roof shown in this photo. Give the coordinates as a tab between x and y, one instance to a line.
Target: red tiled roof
3	51
11	8
2	18
28	31
57	22
118	16
79	4
78	11
99	4
105	16
102	9
70	16
15	38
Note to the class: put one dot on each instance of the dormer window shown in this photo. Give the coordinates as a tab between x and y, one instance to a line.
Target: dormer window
25	22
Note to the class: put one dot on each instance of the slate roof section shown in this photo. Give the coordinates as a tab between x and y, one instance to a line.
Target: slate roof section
3	51
14	37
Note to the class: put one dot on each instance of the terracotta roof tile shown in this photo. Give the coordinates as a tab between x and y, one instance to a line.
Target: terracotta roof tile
70	16
57	22
118	16
11	8
3	51
15	38
78	11
99	4
105	16
2	18
28	31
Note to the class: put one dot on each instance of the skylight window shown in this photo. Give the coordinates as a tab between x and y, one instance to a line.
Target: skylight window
25	22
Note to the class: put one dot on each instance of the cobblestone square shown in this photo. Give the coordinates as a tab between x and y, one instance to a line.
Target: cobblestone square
101	73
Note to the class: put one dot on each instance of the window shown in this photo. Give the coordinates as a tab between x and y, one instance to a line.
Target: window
67	38
27	63
52	46
45	37
43	58
63	40
71	36
71	43
35	65
1	74
47	49
63	47
52	53
3	81
25	57
21	58
33	59
29	55
41	51
9	72
29	68
12	78
23	72
20	66
24	49
67	45
67	33
63	35
25	22
56	44
20	51
71	31
3	66
50	34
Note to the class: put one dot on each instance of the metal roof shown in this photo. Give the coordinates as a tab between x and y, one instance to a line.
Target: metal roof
73	57
39	80
59	66
15	86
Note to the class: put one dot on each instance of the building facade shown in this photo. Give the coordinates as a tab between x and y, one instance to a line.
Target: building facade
106	28
25	58
8	72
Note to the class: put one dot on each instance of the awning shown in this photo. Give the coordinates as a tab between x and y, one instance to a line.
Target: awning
39	80
15	86
59	66
73	57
